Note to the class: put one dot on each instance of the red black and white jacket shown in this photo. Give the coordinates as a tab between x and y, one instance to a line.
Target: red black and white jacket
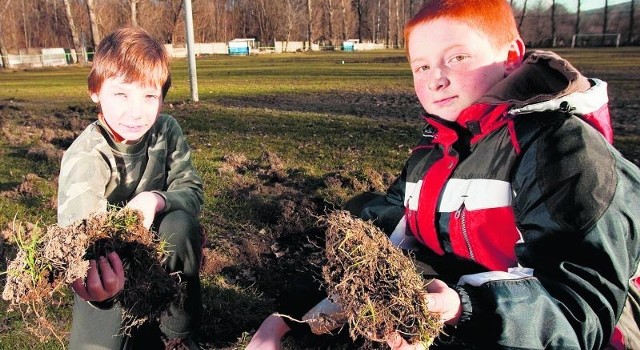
526	208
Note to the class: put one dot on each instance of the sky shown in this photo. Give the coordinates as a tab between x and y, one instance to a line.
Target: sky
572	5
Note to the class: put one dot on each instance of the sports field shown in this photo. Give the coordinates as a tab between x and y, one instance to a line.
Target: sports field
276	139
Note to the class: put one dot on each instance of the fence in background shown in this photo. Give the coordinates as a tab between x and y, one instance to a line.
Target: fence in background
52	57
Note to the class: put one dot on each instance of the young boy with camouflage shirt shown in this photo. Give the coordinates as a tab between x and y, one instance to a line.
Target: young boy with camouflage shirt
136	157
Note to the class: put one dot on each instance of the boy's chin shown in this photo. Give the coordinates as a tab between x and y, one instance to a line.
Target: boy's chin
452	117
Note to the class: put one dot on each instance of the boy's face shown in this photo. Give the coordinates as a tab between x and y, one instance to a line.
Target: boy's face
453	65
130	109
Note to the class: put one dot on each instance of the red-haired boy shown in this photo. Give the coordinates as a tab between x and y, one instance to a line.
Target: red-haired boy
514	195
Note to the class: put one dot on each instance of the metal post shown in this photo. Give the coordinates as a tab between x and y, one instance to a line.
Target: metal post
193	78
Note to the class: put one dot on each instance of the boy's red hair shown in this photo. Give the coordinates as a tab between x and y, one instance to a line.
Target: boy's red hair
132	53
493	18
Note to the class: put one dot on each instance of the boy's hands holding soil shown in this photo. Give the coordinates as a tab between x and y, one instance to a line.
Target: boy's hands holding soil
148	203
105	279
441	299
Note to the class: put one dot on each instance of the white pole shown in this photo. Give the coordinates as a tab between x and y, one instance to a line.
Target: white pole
193	78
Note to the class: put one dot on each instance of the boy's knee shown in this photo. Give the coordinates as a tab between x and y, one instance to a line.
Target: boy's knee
177	226
183	234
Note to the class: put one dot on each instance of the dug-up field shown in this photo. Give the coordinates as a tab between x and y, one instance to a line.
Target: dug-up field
277	139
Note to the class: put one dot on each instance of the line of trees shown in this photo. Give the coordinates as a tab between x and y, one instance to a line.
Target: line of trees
27	24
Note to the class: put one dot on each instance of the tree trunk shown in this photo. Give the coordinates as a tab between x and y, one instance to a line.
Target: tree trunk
330	22
4	54
93	19
606	17
344	20
74	34
134	12
376	32
25	25
3	51
577	31
360	14
176	17
631	15
524	12
388	38
553	23
309	24
398	24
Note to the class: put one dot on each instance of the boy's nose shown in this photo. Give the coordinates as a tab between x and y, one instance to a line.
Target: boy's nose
437	80
135	108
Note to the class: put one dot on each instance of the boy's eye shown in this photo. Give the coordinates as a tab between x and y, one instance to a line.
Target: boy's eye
423	68
458	58
155	97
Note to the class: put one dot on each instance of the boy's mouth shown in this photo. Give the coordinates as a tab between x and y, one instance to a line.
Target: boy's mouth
132	128
444	102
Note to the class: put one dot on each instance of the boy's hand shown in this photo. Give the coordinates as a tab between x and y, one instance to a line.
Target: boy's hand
105	279
445	301
268	336
397	342
441	299
149	203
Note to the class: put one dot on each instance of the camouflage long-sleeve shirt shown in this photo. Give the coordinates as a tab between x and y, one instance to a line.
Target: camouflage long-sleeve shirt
96	171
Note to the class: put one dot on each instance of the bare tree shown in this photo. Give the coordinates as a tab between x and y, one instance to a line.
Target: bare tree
522	15
377	21
74	33
553	23
344	20
3	49
398	24
329	10
93	20
289	26
174	9
577	31
25	26
309	24
631	15
606	17
358	5
133	5
388	38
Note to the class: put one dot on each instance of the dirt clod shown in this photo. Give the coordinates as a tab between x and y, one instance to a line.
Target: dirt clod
51	258
378	287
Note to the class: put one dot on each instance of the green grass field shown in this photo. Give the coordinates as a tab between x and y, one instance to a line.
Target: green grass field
328	125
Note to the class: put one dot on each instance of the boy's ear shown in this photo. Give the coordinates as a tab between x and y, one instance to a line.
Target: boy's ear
94	97
515	55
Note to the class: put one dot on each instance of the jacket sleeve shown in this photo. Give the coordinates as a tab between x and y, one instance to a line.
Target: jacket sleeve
387	211
576	203
81	185
184	186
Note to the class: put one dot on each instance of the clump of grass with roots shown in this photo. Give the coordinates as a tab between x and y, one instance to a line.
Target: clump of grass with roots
49	259
375	283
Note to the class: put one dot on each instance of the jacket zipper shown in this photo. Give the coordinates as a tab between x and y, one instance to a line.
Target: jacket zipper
461	214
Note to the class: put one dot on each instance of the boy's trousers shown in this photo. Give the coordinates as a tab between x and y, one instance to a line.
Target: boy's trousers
93	328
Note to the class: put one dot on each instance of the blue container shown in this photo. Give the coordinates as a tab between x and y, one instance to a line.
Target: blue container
239	51
347	46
